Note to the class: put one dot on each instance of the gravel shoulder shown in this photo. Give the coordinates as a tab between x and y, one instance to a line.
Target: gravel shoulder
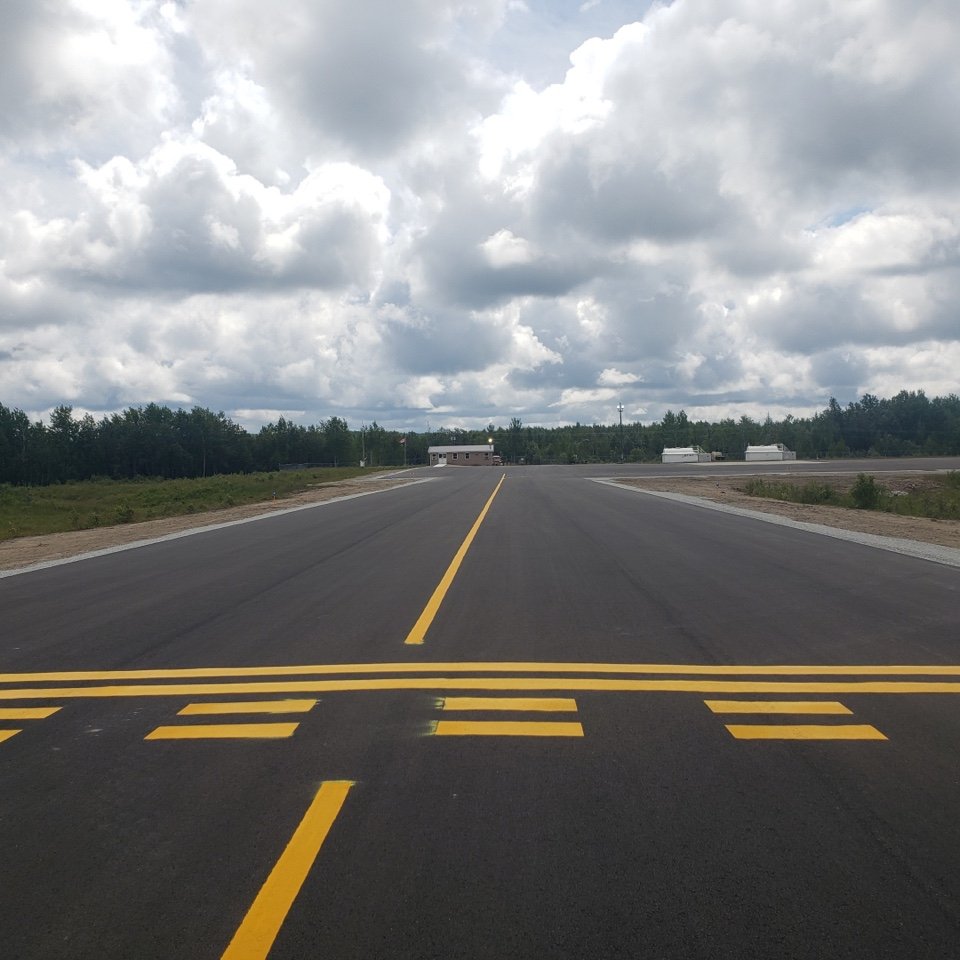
26	551
729	490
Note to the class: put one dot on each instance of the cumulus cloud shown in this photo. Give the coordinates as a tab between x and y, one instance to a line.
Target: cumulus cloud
184	220
386	211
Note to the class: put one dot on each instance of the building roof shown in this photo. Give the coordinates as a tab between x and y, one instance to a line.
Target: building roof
463	448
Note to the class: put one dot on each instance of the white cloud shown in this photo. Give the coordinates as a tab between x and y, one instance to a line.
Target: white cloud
611	377
503	249
576	398
383	209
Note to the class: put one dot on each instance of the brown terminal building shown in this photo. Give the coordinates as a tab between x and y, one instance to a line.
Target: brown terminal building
465	455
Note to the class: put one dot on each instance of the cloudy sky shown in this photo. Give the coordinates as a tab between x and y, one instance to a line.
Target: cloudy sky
453	212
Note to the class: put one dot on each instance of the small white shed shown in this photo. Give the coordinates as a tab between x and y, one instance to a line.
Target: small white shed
685	455
768	451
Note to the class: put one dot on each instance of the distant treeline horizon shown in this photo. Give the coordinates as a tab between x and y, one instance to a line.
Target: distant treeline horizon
158	441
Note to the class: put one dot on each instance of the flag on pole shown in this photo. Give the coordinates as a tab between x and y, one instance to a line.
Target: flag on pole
403	439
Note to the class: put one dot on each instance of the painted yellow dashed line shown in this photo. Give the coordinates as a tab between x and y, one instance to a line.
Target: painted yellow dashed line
213	708
778	706
23	713
509	728
234	731
27	713
793	731
225	731
805	731
542	704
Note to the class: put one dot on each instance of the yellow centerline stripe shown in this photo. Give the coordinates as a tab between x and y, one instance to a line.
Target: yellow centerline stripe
719	670
806	731
225	731
246	706
544	704
506	728
263	921
7	734
778	706
624	685
420	628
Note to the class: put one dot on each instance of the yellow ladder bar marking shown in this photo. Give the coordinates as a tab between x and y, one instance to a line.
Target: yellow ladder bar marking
225	731
544	704
503	728
420	628
807	731
7	734
263	921
247	706
27	713
778	706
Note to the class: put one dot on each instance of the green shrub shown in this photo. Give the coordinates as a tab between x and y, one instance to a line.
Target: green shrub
865	493
123	512
816	492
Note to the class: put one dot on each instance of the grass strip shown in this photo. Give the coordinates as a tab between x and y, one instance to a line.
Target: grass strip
30	511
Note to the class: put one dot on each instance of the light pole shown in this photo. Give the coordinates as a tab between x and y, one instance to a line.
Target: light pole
620	411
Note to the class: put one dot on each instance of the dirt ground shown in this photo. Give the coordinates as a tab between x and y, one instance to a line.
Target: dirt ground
24	551
729	490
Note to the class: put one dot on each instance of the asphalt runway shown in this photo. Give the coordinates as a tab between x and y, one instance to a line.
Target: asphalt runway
506	713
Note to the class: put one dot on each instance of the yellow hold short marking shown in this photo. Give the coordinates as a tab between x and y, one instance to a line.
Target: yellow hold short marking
530	684
27	713
225	731
501	728
542	704
246	706
807	731
778	706
479	666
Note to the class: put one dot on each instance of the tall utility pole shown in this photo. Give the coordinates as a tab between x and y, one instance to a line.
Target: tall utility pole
620	411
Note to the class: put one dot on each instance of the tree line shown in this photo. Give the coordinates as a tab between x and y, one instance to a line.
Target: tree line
157	441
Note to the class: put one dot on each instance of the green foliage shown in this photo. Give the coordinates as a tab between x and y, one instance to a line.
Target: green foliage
865	493
816	491
938	500
123	513
27	511
758	487
156	441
